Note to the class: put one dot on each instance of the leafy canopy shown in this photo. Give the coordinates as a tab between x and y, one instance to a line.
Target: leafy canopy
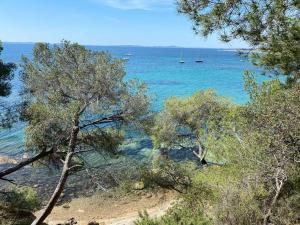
188	122
6	74
66	82
7	112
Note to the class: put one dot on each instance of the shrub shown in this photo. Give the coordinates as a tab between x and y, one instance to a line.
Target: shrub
179	214
145	219
168	174
16	206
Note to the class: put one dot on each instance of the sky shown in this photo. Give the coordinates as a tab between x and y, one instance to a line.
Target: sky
101	22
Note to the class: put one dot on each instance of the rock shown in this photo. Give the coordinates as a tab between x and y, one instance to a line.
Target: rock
80	211
66	206
149	195
139	186
71	221
95	223
25	156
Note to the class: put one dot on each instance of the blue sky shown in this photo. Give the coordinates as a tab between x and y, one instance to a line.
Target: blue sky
101	22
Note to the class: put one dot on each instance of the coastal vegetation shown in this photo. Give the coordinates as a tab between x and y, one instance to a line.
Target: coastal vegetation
250	174
69	88
242	161
6	75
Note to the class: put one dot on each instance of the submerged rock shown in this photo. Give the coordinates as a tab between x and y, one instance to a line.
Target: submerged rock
6	160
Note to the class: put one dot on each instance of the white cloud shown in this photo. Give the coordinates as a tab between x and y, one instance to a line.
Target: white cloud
137	4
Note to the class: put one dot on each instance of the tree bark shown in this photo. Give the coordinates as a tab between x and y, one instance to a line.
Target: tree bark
201	154
63	178
25	163
279	184
56	194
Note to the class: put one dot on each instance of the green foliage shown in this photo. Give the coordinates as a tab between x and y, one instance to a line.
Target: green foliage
270	27
17	204
168	174
7	112
127	178
259	144
66	81
77	102
145	219
179	214
23	198
187	122
185	215
6	74
257	149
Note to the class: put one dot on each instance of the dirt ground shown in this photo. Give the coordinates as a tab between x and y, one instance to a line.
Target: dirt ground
109	210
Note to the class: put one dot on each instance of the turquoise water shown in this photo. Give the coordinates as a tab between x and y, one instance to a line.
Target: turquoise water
160	69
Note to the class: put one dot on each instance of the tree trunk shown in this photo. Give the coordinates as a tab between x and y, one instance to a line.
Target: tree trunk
201	154
25	163
63	178
279	184
56	194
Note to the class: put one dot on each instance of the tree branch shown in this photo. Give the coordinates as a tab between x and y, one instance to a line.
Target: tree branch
109	119
27	162
8	180
280	178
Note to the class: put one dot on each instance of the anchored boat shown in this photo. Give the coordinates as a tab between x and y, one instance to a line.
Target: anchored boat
181	59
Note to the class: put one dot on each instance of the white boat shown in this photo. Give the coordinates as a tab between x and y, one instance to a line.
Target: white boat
181	59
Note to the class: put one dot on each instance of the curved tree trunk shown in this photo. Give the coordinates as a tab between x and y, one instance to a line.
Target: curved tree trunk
63	178
269	212
56	194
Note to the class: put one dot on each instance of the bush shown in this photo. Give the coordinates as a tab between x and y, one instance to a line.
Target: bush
168	174
185	215
181	177
145	219
179	214
16	206
22	199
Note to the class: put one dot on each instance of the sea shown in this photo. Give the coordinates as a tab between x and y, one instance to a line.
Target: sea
159	67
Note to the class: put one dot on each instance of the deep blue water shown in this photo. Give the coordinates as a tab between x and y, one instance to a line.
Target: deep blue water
160	68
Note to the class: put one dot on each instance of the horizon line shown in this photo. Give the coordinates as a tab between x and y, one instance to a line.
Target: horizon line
121	45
